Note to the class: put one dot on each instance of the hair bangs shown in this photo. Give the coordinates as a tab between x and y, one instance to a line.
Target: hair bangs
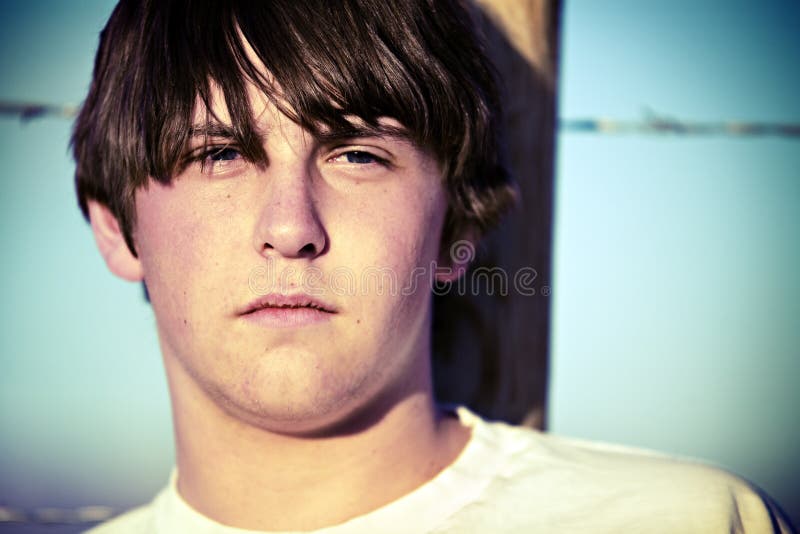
323	76
332	92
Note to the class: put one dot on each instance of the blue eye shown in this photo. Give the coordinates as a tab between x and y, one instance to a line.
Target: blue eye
218	159
356	156
224	154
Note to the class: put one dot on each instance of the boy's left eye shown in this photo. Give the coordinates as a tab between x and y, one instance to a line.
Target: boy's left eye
359	157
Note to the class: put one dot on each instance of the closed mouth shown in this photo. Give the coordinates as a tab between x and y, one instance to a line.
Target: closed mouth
287	302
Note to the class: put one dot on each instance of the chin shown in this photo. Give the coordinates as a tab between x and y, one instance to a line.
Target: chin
300	393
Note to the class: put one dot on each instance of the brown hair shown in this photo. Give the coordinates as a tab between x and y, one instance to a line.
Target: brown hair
417	61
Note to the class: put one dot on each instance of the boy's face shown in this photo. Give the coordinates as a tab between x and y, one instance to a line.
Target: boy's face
308	230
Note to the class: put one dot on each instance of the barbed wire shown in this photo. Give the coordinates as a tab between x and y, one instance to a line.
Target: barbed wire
663	125
51	515
651	123
28	111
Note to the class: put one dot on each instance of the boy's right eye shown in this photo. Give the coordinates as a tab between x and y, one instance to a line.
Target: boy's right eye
218	159
223	154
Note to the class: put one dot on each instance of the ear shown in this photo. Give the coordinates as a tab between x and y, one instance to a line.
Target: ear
454	259
111	242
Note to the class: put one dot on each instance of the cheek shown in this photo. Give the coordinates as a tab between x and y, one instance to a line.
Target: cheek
391	242
393	226
165	238
185	224
414	233
180	247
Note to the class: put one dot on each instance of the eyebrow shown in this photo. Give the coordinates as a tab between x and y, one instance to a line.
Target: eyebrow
202	134
212	129
358	131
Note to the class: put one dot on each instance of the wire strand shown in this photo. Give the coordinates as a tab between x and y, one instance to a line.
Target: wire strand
651	123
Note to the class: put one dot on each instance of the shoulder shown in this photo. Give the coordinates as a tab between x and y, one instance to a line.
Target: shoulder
136	521
554	482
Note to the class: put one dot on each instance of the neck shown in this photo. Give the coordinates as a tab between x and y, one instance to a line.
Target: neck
244	476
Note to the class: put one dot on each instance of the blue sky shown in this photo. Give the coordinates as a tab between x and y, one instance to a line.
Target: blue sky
677	296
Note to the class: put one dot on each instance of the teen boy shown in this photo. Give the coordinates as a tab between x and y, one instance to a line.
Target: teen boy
243	159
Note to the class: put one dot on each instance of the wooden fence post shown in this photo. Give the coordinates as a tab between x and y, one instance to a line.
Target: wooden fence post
491	350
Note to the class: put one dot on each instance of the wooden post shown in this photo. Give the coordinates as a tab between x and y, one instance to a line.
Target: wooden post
491	350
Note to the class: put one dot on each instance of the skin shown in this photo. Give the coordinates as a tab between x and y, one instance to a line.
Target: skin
298	426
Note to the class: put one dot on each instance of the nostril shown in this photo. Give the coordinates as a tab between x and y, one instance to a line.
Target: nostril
309	249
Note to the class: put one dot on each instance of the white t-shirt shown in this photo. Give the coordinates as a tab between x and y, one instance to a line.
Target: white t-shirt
516	480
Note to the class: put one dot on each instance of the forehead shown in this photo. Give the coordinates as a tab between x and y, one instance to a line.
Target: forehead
271	109
270	112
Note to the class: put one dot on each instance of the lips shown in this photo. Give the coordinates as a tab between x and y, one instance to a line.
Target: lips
287	301
277	310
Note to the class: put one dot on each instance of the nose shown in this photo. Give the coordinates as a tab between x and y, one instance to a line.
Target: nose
289	224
